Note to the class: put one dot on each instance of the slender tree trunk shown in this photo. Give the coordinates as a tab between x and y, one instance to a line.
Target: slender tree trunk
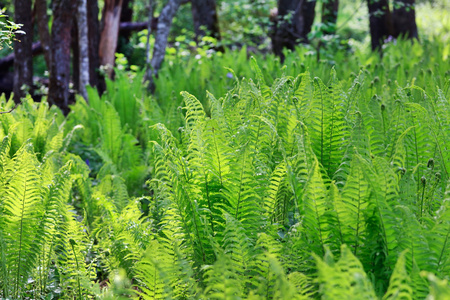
23	64
288	33
61	39
44	34
126	16
309	13
380	22
94	40
148	72
206	22
404	19
110	33
75	56
83	46
329	15
162	33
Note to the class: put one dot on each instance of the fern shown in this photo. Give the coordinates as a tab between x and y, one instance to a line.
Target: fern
345	278
400	282
21	211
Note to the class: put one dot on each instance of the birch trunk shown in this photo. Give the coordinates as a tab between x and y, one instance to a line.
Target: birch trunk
83	44
162	32
110	34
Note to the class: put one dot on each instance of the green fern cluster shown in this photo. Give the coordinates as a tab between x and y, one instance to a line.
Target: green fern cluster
274	178
298	190
42	244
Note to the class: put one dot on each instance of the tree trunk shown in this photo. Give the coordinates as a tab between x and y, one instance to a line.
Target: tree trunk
148	71
61	39
162	33
288	33
75	55
44	34
110	33
83	46
126	16
309	13
206	22
404	19
23	64
329	15
380	22
94	39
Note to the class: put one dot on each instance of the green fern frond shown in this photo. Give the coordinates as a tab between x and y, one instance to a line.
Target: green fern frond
76	272
314	209
327	125
273	209
154	273
194	110
400	282
4	152
439	288
353	206
21	212
111	132
222	282
344	279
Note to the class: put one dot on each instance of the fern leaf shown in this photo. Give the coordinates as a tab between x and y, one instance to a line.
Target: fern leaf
22	205
400	282
314	208
344	279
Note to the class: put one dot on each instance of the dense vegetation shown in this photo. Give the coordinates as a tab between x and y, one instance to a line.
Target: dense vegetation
241	177
308	181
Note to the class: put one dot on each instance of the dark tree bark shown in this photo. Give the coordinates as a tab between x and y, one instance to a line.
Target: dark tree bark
75	56
162	32
110	33
23	64
329	15
404	19
58	93
288	33
206	22
94	41
126	16
44	34
379	22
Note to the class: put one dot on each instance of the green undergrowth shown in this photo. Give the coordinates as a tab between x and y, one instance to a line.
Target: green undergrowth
313	182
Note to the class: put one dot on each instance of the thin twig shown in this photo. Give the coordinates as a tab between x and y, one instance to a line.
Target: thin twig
11	110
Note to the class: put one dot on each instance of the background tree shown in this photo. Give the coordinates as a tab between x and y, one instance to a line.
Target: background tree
380	22
109	35
384	24
291	24
94	41
83	45
60	38
404	19
329	15
162	33
40	7
206	22
23	64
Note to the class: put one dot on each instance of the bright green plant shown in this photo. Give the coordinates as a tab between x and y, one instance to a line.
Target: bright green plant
8	30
